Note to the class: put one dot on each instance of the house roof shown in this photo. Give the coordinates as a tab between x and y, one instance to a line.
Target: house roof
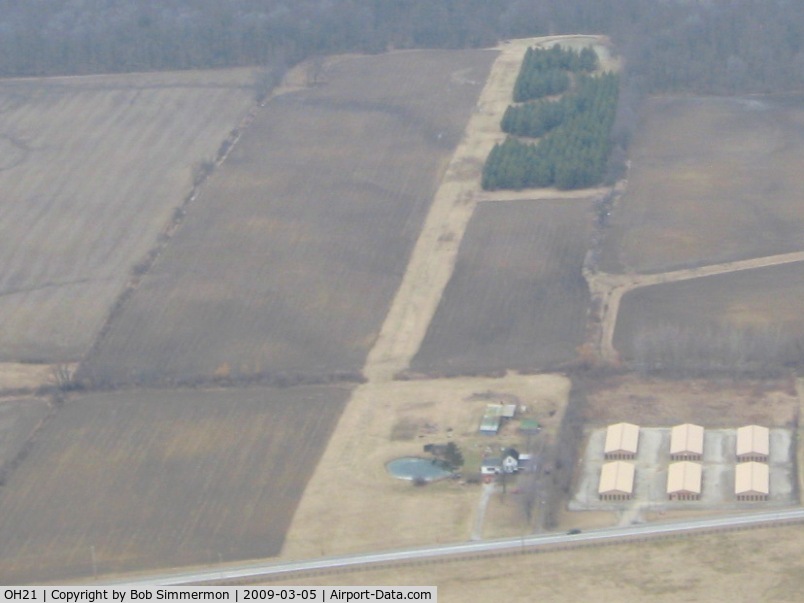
753	439
622	437
511	452
687	438
752	478
684	477
616	477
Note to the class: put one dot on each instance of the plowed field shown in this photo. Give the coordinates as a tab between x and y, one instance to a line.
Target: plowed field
517	298
91	170
712	180
155	479
763	300
288	261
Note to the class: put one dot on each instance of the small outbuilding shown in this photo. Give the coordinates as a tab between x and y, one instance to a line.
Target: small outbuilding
684	481
752	481
686	442
622	440
490	424
491	465
753	444
616	481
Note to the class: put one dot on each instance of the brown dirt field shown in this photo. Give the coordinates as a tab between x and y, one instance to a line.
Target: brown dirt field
715	404
91	170
755	565
763	298
288	260
159	479
711	180
517	298
19	420
352	504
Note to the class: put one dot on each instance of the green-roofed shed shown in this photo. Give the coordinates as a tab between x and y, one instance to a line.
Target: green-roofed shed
529	426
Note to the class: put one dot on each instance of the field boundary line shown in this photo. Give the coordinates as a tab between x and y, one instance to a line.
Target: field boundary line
144	266
608	289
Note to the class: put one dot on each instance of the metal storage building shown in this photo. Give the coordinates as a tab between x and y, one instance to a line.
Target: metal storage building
616	481
753	444
622	440
686	442
752	481
684	481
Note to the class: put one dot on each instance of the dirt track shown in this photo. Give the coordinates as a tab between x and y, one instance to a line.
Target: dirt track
434	256
609	289
336	510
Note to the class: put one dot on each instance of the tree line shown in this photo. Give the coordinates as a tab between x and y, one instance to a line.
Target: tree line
572	153
713	46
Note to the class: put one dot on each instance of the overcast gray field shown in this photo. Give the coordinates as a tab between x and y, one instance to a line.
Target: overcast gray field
517	298
157	479
711	180
18	420
289	259
768	300
91	170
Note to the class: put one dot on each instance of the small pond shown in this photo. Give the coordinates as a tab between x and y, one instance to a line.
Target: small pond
413	467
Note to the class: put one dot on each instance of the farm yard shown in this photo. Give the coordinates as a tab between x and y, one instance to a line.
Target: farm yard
517	299
352	504
711	180
92	169
156	478
285	268
758	311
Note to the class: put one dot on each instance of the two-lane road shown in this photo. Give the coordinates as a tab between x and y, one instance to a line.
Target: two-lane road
276	570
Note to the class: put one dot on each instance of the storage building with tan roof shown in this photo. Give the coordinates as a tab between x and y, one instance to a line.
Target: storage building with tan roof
753	444
752	481
622	440
616	481
686	442
684	481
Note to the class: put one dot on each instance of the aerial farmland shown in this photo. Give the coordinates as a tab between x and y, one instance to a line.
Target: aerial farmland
152	478
285	267
517	298
92	170
315	284
712	180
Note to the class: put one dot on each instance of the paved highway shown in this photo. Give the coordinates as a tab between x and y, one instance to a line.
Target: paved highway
468	549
